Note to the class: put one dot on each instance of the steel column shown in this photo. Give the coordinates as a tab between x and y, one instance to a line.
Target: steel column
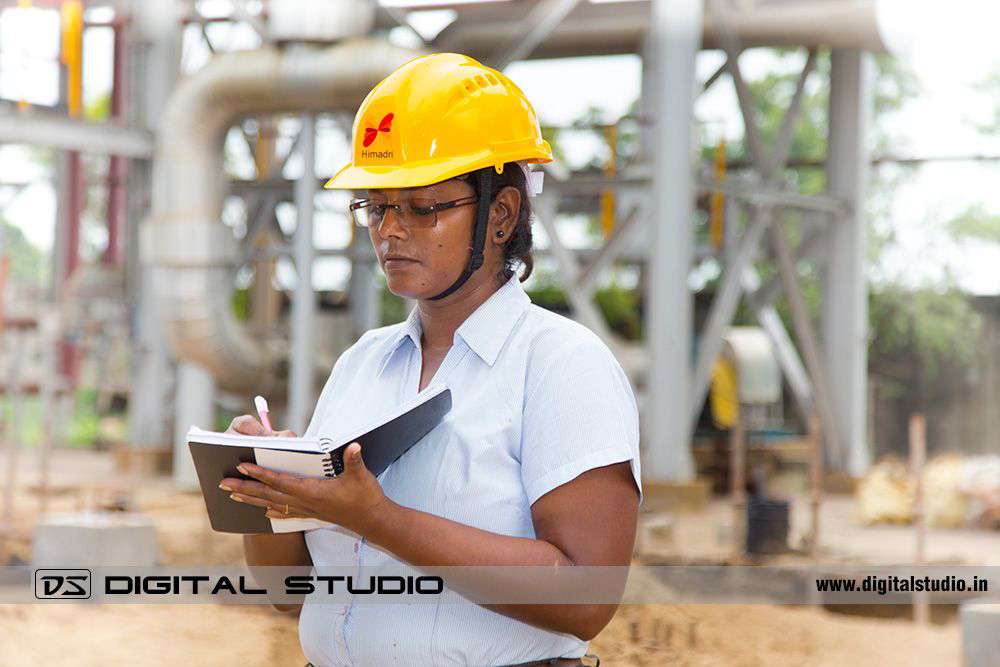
845	305
150	81
195	406
301	375
675	38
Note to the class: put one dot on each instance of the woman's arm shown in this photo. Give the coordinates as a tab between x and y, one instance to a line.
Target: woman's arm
288	549
285	549
590	520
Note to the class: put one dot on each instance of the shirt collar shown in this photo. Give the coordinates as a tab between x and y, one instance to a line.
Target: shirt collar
409	329
485	331
490	325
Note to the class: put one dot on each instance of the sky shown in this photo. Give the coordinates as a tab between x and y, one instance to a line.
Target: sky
951	54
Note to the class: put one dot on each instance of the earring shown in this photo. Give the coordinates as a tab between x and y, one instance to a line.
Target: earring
499	232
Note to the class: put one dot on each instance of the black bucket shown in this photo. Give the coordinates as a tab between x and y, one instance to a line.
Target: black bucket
767	526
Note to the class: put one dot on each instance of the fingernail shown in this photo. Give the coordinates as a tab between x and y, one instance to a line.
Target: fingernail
242	470
224	487
235	497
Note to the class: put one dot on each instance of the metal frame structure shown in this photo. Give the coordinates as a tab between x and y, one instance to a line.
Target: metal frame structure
826	373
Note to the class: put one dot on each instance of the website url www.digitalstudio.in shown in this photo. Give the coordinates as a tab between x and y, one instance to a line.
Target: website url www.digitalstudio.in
883	585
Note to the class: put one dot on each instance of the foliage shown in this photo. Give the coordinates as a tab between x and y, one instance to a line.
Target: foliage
82	430
241	303
619	306
975	224
84	427
98	108
28	264
934	326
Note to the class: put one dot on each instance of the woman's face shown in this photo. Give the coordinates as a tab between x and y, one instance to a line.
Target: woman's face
420	262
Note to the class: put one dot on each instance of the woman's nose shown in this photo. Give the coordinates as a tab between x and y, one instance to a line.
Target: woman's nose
396	228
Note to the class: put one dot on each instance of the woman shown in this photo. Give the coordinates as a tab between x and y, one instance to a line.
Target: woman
537	463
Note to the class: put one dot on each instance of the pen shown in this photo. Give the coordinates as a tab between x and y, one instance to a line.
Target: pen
261	404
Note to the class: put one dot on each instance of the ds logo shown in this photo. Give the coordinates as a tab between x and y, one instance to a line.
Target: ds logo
62	584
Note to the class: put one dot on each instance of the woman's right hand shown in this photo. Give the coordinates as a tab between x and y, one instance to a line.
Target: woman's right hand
248	425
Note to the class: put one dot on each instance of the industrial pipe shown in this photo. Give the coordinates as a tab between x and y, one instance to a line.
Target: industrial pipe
193	256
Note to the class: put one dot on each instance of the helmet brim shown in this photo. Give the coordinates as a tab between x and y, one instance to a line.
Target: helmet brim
415	175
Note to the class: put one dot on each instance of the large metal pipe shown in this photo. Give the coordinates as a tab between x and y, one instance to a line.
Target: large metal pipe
192	254
620	27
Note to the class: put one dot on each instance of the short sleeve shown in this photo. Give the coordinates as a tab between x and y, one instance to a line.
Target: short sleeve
579	413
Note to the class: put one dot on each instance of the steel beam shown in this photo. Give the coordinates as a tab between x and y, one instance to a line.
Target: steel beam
155	62
811	349
809	249
845	304
720	313
675	39
582	302
783	142
620	27
62	133
301	372
537	24
784	349
609	251
771	195
194	406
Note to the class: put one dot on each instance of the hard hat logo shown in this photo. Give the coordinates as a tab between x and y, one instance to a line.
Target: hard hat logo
385	125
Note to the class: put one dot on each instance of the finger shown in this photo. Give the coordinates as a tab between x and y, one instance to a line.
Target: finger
353	463
279	513
285	434
248	488
251	500
247	425
283	482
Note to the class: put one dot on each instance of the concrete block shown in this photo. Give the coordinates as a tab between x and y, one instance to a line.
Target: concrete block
94	538
980	634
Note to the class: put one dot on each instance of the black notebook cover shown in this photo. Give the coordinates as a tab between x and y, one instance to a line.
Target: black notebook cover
381	444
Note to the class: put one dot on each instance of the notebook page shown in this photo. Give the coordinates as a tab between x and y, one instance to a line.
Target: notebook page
293	463
196	434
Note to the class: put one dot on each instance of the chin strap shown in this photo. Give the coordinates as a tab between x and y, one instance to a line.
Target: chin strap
479	232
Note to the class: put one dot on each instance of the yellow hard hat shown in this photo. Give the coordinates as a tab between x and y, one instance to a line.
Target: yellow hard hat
436	117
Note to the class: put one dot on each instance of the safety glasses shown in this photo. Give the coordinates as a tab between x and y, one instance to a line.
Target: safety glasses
413	213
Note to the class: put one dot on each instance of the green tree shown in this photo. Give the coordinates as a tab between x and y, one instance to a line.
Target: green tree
27	263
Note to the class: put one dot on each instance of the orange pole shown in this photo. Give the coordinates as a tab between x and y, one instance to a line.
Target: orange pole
610	169
71	14
717	201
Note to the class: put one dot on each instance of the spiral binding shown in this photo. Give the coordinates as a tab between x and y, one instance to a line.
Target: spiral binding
333	463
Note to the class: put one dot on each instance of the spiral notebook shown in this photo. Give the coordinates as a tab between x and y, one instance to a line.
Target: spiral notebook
216	456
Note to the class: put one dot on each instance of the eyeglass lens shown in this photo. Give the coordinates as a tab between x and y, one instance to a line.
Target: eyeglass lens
409	213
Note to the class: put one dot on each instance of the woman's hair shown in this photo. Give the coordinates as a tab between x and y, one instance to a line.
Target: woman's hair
519	246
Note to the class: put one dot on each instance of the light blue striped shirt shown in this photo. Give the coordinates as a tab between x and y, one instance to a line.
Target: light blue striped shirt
537	399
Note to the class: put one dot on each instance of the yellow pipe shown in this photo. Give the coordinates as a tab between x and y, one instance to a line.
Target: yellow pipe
610	169
71	15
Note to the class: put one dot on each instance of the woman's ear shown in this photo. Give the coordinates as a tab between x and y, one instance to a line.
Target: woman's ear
504	214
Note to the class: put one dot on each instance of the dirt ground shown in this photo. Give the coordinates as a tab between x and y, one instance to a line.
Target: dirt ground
206	635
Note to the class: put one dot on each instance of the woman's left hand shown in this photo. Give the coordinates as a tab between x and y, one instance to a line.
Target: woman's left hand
353	499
